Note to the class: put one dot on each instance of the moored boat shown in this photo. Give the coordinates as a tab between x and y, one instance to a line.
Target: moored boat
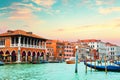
117	63
114	68
71	60
1	63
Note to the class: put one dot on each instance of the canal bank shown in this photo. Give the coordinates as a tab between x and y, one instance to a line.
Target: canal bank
52	71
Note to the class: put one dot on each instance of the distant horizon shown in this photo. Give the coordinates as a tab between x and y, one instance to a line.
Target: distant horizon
67	20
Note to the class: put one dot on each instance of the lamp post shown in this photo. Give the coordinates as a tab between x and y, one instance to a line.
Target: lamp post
76	60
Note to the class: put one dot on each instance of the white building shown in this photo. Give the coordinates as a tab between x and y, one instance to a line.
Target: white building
98	45
112	50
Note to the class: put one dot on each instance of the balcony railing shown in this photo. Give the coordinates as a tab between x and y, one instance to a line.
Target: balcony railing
2	45
28	46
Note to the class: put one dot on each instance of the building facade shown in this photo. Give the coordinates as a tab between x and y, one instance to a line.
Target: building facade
68	50
21	46
98	48
113	51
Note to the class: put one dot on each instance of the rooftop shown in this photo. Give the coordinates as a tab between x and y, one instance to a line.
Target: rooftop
20	32
89	40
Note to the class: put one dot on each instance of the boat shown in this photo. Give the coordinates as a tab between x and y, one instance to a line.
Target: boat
1	63
71	60
117	63
113	68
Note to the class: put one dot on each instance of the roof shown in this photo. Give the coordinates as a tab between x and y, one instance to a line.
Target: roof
109	44
90	40
20	32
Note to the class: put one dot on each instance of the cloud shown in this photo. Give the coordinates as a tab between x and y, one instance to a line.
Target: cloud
44	3
60	30
104	2
3	28
109	10
19	10
21	14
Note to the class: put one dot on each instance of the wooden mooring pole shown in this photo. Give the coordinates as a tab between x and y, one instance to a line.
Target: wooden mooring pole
105	65
86	66
76	60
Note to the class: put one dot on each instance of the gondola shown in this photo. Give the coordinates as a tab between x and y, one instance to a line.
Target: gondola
117	63
113	68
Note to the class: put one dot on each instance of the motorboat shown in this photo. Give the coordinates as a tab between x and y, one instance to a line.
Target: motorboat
71	60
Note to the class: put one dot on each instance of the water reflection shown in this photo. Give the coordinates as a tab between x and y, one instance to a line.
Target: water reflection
76	76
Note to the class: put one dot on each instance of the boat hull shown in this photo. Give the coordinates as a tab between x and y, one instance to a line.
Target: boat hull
71	62
1	63
113	68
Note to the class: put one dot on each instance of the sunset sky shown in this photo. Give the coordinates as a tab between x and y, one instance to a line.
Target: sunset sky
63	19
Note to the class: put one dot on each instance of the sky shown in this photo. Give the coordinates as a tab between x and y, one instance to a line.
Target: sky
67	20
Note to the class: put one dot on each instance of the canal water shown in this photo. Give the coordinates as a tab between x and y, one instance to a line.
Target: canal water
53	71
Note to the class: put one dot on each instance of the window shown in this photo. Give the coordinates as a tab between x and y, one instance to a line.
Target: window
2	41
97	45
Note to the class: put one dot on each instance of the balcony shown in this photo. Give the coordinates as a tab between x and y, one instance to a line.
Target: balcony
2	46
28	46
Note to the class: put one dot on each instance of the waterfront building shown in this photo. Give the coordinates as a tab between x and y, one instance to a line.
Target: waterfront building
68	50
58	49
112	50
50	50
98	48
21	46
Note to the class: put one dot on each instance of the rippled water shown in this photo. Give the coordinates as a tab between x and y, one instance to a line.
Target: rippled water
52	71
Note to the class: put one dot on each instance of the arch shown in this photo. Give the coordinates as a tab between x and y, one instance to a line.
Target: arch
29	53
33	56
29	56
13	56
23	56
1	56
38	55
42	54
23	53
7	56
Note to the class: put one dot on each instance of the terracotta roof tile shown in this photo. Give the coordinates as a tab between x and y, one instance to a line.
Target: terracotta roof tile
109	44
90	40
20	32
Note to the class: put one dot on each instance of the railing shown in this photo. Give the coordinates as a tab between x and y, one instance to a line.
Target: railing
28	46
2	45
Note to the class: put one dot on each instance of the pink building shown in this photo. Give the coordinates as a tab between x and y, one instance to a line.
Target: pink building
68	50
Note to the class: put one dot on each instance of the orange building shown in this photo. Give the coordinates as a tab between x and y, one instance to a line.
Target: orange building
57	47
21	46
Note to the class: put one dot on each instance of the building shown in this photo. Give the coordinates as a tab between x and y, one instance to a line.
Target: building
112	50
98	48
57	47
68	50
50	46
21	46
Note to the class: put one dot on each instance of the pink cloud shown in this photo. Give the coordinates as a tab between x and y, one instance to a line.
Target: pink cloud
3	28
21	14
44	3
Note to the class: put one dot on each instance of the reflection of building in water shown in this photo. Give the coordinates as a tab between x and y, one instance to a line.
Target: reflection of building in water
21	46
